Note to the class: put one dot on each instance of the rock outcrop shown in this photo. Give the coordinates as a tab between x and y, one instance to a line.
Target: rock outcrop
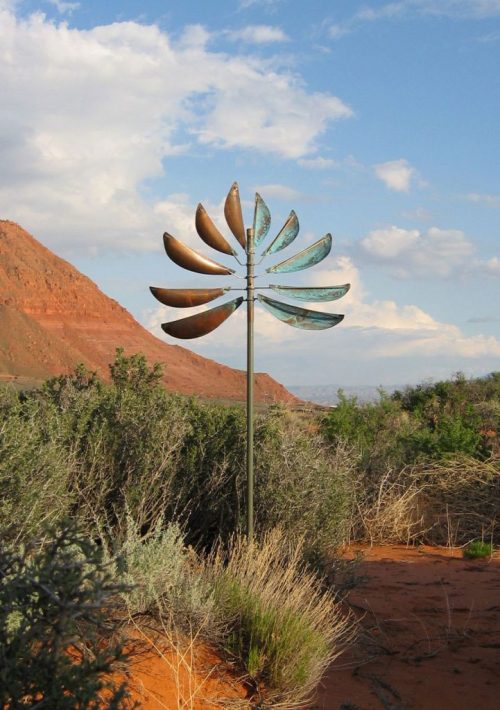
53	317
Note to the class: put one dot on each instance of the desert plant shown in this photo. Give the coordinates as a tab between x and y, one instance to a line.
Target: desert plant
459	493
284	626
163	580
35	467
389	509
477	549
54	613
126	438
438	502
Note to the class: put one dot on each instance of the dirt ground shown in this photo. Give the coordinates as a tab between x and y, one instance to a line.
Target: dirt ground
429	639
430	634
191	677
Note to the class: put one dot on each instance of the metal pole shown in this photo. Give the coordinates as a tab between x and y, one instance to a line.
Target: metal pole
250	379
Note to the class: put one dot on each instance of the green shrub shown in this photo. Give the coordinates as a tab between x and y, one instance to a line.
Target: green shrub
424	422
99	452
477	549
55	606
284	627
303	485
163	580
35	467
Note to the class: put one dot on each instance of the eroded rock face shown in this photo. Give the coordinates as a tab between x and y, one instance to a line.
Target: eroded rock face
53	317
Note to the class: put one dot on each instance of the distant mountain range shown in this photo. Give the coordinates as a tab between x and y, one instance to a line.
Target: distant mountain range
52	317
327	394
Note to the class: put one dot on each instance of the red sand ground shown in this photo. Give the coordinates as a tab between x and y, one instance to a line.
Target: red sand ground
429	640
430	624
195	678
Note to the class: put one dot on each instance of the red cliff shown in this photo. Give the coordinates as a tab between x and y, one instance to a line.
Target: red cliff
53	317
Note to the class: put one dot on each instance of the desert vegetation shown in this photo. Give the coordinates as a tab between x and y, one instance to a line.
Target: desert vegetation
154	486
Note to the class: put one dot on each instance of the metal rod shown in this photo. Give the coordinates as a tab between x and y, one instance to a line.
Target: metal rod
250	248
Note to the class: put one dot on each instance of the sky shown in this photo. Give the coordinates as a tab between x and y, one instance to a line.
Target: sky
376	121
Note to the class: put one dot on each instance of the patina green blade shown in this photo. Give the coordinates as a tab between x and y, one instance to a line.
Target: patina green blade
201	323
312	293
261	220
304	259
285	236
187	297
300	317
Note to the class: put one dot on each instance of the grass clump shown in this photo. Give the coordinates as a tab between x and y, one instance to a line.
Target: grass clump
477	549
283	626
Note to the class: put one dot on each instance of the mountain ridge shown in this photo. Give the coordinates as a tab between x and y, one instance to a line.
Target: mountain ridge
52	317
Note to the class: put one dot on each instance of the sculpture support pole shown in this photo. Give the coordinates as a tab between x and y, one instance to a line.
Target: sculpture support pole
250	379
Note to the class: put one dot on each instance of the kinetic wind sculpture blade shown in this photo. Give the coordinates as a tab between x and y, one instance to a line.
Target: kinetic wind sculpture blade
210	234
187	297
312	293
189	259
202	323
234	215
299	317
285	236
304	259
261	220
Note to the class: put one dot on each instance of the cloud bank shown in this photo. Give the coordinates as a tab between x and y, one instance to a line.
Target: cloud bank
90	118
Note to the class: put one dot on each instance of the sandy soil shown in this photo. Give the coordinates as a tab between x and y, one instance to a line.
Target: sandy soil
429	640
430	634
193	678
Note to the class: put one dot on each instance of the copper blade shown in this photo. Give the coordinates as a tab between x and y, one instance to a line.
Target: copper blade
210	234
201	323
186	297
190	259
261	220
305	258
234	215
300	317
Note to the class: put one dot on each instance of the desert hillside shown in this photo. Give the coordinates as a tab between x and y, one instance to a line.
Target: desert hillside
53	317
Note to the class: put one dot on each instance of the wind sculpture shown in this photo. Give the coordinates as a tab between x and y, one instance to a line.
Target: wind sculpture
202	323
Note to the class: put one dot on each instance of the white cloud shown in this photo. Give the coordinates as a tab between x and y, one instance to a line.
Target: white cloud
397	175
489	38
405	9
267	4
399	330
421	214
488	200
454	9
279	192
317	163
284	119
457	9
258	34
487	266
337	31
90	117
64	7
437	252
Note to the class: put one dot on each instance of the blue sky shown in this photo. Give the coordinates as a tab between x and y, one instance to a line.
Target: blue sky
375	121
